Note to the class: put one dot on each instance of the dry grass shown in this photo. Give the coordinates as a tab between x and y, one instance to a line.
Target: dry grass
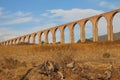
22	57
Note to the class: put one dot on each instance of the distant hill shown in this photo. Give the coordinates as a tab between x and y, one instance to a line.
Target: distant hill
103	38
116	36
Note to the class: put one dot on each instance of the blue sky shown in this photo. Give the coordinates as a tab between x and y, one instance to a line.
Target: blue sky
19	17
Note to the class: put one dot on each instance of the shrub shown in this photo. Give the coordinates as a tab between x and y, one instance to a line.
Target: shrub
106	55
11	63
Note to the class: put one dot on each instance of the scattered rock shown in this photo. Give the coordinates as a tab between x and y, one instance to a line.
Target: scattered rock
108	75
71	65
72	71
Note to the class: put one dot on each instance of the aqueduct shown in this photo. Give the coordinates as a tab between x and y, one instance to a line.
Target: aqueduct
94	20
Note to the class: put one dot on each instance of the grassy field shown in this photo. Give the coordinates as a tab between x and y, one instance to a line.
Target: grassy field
18	58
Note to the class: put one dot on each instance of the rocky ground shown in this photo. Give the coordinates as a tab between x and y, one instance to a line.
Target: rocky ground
88	61
65	70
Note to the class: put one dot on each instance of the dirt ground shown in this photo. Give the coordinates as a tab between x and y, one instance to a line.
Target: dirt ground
91	61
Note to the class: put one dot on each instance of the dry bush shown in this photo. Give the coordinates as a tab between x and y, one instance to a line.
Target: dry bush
11	63
63	58
106	55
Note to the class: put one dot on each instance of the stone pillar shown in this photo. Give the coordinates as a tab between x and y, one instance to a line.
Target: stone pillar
40	41
13	41
4	43
109	26
62	35
46	36
53	35
82	31
95	28
110	30
33	38
71	28
10	42
54	38
7	42
16	41
28	39
22	39
39	37
19	40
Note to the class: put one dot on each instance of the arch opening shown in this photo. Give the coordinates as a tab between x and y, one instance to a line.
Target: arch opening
57	34
20	40
25	40
116	26
88	31
50	37
16	41
42	38
76	33
67	34
31	39
36	39
102	30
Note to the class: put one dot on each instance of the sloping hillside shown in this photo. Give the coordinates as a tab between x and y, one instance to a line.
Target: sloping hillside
116	36
103	38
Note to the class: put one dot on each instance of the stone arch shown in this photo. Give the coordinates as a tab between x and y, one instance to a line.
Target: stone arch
12	41
88	26
30	39
76	30
7	42
66	31
20	40
49	35
36	38
102	29
114	13
116	25
42	37
16	41
26	39
57	35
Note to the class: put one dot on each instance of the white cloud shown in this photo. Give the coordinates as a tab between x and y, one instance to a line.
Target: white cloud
52	16
40	27
73	14
108	5
18	21
21	14
44	14
8	14
8	33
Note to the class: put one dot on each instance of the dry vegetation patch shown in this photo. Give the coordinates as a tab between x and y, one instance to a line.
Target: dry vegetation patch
93	58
